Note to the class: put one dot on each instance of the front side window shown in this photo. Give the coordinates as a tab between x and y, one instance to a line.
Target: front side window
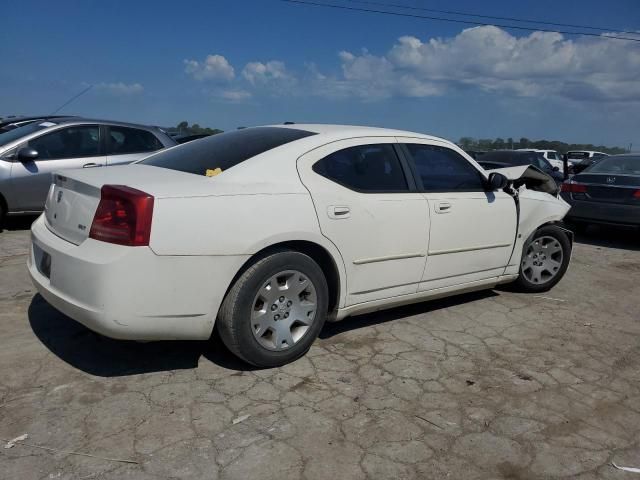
442	170
70	142
365	168
123	140
9	136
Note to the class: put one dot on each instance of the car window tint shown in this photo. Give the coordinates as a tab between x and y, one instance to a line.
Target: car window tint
123	140
11	134
442	169
365	168
71	142
224	150
617	165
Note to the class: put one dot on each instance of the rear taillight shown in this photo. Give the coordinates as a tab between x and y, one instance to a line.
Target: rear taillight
123	216
636	194
572	187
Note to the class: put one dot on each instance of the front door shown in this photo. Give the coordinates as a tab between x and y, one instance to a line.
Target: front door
367	208
68	147
472	230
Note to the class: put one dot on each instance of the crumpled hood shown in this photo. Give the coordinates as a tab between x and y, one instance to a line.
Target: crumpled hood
530	176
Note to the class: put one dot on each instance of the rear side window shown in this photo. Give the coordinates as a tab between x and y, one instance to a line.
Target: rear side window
442	170
123	140
70	142
365	168
224	150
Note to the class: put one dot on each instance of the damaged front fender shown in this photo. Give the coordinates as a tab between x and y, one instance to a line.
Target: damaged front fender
531	177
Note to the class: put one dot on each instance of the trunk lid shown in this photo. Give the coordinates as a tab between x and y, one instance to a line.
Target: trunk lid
70	207
612	188
74	196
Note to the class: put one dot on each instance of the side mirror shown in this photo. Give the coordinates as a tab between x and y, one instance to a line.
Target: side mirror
497	181
556	169
27	154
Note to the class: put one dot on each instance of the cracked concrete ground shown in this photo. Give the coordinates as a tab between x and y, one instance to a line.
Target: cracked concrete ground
490	385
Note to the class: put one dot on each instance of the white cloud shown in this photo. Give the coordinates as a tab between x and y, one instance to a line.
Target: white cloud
120	88
214	67
272	73
235	95
491	59
484	58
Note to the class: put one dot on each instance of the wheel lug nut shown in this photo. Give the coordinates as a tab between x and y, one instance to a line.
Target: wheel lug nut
276	317
282	299
289	303
273	307
286	315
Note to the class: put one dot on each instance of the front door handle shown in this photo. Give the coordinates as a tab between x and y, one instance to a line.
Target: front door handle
443	207
91	165
338	212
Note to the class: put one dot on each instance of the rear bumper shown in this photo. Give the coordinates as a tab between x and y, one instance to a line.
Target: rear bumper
130	292
606	213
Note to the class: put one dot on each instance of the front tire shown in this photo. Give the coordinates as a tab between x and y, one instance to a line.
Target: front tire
545	259
275	309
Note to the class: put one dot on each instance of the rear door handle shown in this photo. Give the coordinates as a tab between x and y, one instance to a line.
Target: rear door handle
90	165
443	207
338	212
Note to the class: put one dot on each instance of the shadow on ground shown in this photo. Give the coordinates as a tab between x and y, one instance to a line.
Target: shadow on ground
384	316
18	223
104	357
610	237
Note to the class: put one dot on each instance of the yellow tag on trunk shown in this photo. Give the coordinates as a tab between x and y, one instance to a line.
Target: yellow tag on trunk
213	172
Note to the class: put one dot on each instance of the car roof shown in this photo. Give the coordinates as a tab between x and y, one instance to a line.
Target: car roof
356	131
73	120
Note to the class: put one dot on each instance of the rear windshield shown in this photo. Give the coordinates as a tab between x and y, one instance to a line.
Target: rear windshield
16	133
617	165
217	153
577	155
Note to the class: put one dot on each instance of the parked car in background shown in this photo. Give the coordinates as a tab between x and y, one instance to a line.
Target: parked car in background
580	160
607	192
550	155
510	158
30	154
15	121
475	154
264	233
577	156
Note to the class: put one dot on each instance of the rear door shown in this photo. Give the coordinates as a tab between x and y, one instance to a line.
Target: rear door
368	207
74	146
472	230
128	144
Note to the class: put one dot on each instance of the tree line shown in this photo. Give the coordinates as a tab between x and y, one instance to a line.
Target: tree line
485	144
194	129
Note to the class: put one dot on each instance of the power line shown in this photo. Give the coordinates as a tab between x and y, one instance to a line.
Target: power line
511	19
72	99
451	20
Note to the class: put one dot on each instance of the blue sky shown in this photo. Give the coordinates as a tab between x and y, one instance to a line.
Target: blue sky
229	63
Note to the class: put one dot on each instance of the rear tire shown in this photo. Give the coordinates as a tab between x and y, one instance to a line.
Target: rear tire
545	259
275	309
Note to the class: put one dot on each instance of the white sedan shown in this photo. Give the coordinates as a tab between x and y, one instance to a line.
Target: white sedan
264	233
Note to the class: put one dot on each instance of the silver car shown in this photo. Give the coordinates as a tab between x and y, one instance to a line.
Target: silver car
31	153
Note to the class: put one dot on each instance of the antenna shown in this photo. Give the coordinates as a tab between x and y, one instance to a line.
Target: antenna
71	100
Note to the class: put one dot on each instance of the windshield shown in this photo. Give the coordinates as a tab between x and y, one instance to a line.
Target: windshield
212	155
16	133
577	155
617	165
